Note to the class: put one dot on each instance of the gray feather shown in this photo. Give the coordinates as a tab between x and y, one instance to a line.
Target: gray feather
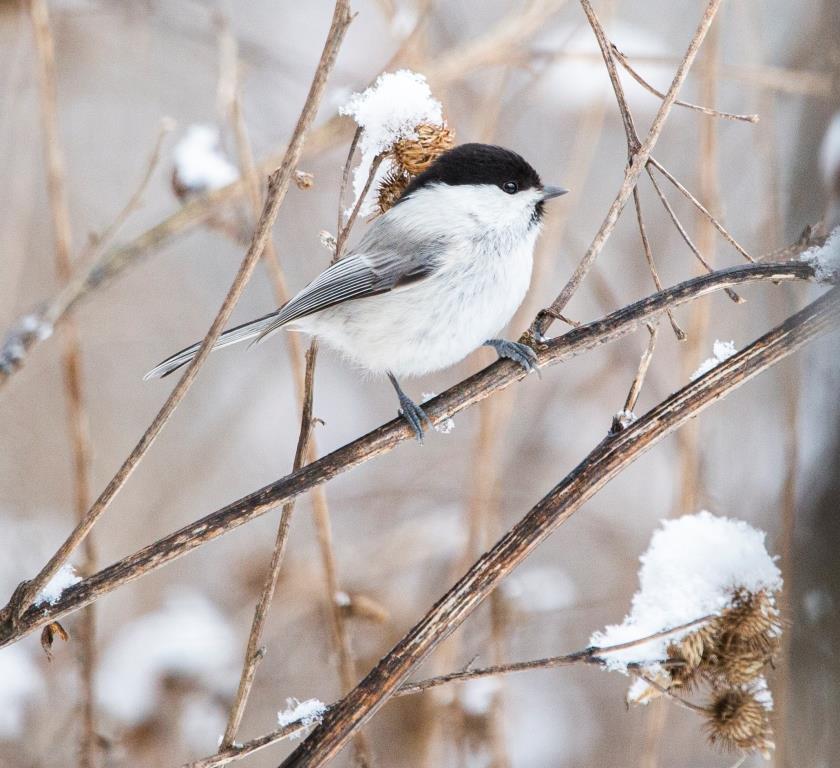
387	258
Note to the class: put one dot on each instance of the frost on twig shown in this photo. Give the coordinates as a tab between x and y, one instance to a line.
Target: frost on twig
702	565
306	713
398	116
826	258
446	425
66	577
721	350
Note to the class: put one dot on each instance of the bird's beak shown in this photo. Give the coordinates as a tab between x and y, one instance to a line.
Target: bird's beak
548	192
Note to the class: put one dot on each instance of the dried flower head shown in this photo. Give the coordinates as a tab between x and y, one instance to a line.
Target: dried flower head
390	189
304	180
752	617
415	155
738	720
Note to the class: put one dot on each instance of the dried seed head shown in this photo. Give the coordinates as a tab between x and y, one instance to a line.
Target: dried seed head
390	189
741	665
415	155
304	180
738	720
751	616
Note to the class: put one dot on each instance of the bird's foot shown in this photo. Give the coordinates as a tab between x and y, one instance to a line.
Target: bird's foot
521	354
411	412
415	416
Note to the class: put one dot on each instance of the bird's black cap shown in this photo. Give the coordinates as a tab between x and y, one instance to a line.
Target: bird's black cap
477	164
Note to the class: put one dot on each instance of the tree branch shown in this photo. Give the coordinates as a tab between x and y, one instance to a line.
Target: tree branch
608	459
472	390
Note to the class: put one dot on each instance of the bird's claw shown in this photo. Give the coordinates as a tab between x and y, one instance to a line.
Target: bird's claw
415	416
520	353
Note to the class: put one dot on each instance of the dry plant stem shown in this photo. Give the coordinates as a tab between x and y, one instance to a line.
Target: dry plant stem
686	237
622	59
631	174
700	207
608	459
641	371
494	378
78	424
253	652
679	700
277	187
675	327
592	655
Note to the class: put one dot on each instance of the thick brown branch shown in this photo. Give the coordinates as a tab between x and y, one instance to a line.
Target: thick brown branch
472	390
608	459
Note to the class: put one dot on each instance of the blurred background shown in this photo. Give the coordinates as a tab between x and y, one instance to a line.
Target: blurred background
527	75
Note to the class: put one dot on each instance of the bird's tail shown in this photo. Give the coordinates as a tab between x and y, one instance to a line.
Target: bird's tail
250	330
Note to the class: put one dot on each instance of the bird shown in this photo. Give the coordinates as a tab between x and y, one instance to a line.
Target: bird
435	277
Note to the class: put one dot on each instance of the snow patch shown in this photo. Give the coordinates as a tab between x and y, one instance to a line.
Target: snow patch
200	163
691	569
387	112
722	350
66	577
825	259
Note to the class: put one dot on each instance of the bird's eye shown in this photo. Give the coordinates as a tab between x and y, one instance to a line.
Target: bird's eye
511	187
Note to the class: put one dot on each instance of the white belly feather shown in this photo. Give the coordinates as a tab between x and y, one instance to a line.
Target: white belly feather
434	323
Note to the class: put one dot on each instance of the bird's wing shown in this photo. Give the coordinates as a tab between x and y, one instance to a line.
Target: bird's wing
371	269
384	260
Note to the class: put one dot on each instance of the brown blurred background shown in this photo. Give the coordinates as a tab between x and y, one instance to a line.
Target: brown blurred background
405	525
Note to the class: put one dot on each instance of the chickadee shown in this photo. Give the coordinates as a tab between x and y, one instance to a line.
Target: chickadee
433	278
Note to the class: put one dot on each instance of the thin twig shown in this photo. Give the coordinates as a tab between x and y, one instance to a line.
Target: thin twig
71	362
622	59
606	461
678	332
686	237
619	420
277	187
631	175
492	379
700	207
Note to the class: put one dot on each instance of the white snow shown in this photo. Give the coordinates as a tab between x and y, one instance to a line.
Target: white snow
448	424
200	163
20	683
722	350
830	152
66	577
309	712
825	259
186	637
691	569
387	112
476	695
540	589
626	418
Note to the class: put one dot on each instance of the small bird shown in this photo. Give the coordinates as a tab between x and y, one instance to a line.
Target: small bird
433	278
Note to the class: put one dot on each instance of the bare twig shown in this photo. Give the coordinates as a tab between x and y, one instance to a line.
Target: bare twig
686	237
472	390
607	460
631	174
592	655
638	380
277	187
700	207
637	203
622	59
71	363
